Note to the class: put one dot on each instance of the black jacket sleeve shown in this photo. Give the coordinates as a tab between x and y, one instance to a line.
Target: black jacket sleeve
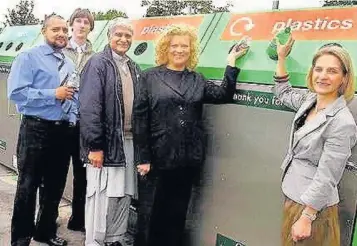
222	93
141	123
91	105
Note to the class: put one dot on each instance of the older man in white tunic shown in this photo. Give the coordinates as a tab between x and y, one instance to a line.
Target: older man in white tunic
108	84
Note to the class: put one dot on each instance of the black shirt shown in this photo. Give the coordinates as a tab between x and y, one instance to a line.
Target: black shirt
175	76
301	121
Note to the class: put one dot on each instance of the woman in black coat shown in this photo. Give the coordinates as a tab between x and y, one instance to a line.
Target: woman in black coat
168	133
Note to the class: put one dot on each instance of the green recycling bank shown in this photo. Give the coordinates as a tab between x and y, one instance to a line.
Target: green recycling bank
238	199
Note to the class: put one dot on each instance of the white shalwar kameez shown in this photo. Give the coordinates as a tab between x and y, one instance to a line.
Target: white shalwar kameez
109	192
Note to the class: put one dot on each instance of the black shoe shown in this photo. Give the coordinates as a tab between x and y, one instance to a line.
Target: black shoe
113	244
73	225
22	242
76	228
55	241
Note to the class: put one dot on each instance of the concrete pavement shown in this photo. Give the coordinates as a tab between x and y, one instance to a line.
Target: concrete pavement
8	180
7	192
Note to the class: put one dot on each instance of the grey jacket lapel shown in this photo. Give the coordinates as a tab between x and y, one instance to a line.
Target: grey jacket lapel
304	107
310	100
319	120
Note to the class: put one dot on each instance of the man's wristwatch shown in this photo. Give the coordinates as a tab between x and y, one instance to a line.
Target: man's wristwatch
311	217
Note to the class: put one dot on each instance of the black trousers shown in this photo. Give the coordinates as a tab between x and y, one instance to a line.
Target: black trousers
79	180
42	158
163	201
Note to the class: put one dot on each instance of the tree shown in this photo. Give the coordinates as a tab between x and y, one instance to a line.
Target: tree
206	7
163	8
22	14
181	7
339	3
46	16
109	15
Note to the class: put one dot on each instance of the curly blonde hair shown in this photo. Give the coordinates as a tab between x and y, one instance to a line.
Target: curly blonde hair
163	44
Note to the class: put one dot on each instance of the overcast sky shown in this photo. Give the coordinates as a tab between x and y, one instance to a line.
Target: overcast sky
133	9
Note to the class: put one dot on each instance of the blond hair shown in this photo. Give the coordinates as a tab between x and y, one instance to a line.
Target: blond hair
347	89
163	44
